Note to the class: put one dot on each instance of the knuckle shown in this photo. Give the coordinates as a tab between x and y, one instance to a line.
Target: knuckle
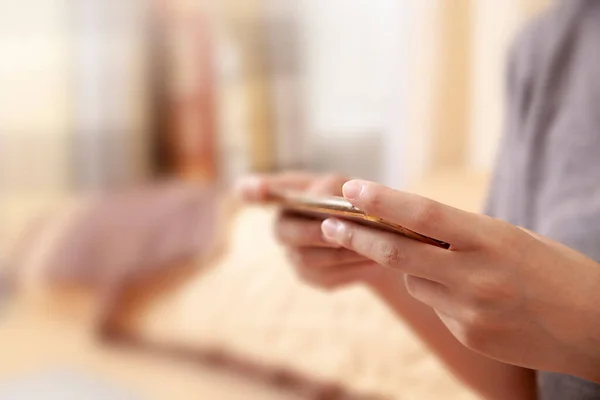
426	214
506	239
480	288
489	289
390	254
474	319
475	332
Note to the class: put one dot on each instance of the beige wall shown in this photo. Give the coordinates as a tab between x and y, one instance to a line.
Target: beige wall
42	97
451	101
494	28
33	76
457	95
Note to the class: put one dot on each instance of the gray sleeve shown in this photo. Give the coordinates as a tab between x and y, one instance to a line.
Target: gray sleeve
569	199
516	97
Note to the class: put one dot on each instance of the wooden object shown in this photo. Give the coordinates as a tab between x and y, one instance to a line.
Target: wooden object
185	90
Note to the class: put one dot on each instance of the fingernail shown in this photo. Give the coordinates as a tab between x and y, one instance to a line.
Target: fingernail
330	228
352	189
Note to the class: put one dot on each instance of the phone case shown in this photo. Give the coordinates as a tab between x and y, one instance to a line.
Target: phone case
322	207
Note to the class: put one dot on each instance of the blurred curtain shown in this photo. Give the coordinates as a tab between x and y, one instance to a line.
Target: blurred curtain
458	80
353	54
495	24
34	112
108	73
398	91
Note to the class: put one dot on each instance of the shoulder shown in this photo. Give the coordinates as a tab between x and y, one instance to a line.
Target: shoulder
574	21
556	52
530	40
587	33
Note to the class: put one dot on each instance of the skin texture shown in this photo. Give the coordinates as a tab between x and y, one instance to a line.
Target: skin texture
500	302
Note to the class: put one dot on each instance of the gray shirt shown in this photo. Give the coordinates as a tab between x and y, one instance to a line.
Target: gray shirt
547	177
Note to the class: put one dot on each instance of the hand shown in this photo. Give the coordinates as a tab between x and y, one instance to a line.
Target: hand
315	260
502	291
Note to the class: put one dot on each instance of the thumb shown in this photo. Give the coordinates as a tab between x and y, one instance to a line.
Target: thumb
417	213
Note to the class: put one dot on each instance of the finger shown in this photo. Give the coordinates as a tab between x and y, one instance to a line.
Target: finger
468	323
392	250
255	188
313	257
420	214
296	231
341	275
433	294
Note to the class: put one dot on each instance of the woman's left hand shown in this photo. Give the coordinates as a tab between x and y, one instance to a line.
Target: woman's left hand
502	291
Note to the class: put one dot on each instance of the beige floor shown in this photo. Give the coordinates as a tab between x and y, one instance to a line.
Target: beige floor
33	341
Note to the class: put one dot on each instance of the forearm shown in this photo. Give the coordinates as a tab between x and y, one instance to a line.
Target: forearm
490	378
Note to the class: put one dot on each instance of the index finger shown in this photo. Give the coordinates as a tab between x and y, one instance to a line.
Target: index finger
392	251
422	215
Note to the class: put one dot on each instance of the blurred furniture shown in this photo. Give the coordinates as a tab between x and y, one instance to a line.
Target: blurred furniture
185	90
243	24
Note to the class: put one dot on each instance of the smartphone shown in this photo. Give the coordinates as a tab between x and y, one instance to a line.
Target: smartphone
323	207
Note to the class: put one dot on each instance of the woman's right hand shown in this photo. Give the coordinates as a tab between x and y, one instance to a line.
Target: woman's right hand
315	260
324	266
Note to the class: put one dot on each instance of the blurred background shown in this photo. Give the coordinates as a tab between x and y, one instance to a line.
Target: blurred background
99	95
